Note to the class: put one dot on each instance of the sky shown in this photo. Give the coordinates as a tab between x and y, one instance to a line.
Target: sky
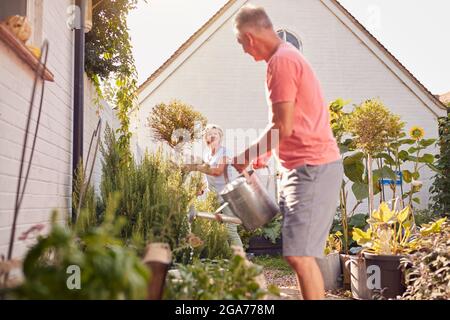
417	32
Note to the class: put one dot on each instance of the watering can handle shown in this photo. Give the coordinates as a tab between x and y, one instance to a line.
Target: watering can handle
246	175
227	178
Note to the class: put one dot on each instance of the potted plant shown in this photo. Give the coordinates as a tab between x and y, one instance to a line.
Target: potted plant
385	243
330	265
158	258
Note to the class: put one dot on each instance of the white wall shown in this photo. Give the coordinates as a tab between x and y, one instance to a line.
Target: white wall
92	113
49	184
228	86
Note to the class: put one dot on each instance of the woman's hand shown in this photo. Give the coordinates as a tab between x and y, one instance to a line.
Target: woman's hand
190	167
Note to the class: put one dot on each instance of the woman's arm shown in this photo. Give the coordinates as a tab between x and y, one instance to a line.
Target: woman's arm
212	171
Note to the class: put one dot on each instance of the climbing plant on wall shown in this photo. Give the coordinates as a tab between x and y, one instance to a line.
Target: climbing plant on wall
441	186
109	62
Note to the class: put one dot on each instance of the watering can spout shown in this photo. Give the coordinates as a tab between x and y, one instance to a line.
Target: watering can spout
213	216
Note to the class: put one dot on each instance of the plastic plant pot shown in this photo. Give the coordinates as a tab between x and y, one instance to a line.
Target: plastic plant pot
158	258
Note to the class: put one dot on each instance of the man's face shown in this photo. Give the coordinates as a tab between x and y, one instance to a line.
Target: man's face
249	44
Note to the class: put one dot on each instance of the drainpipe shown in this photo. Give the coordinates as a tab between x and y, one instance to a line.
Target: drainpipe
78	93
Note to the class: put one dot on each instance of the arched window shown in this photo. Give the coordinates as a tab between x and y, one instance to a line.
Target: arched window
291	38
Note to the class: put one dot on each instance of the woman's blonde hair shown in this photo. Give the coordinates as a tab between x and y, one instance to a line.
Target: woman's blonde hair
210	127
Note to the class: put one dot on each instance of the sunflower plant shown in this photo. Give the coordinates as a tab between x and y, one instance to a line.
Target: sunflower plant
416	155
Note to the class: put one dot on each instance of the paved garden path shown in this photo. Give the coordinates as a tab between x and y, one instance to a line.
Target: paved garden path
287	283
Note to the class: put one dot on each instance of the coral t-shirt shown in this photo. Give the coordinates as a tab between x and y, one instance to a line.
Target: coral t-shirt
290	78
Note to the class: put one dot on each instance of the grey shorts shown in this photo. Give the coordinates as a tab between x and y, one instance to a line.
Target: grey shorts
308	200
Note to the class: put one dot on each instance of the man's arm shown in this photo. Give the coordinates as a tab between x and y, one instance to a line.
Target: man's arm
281	127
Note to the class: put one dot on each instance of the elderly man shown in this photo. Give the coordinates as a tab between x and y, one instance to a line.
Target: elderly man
305	146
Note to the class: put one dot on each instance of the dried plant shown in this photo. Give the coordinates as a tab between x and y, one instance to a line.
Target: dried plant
175	123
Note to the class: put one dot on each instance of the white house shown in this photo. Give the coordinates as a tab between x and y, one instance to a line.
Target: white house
210	71
50	181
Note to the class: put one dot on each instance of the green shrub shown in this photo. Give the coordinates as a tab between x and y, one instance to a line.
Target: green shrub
107	269
440	189
233	279
213	234
424	216
88	202
427	271
156	195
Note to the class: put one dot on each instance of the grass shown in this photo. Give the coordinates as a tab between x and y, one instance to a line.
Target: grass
274	263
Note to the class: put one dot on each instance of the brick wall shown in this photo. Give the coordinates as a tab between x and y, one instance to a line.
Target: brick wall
49	184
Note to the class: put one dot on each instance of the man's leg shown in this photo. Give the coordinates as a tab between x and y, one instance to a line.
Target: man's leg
309	277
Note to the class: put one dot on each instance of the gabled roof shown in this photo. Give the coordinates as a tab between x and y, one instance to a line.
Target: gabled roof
353	20
186	44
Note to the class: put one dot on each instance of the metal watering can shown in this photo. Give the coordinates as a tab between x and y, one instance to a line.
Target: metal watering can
249	200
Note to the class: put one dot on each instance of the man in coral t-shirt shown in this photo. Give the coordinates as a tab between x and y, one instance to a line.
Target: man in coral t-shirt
305	146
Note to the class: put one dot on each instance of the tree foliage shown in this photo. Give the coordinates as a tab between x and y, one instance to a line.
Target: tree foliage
109	62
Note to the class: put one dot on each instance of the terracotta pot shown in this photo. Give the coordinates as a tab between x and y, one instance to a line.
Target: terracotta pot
158	257
391	276
330	266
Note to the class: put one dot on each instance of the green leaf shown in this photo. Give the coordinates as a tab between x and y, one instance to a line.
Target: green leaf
427	142
360	190
354	171
407	176
413	150
407	141
384	173
387	158
416	175
426	158
416	200
403	215
356	157
403	155
358	220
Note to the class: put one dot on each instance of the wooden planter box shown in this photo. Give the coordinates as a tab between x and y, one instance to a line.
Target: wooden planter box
261	246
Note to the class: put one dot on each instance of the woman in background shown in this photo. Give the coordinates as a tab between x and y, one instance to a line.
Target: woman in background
214	166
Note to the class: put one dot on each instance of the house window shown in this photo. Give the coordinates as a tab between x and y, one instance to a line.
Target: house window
291	38
32	9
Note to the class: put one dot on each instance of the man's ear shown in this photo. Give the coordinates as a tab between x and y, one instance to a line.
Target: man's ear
249	38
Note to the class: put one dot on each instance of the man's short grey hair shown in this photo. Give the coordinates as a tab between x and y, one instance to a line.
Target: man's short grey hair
252	16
